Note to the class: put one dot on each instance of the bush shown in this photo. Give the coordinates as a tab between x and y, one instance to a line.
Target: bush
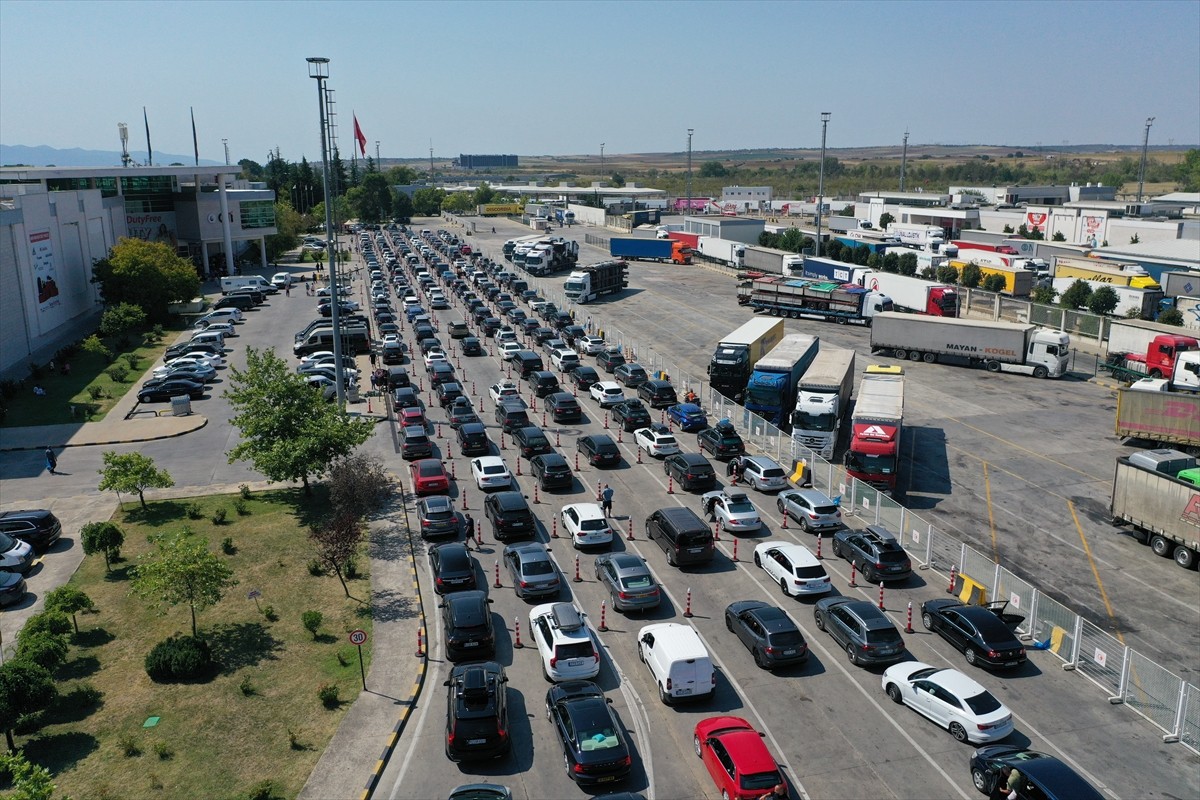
46	649
194	512
85	695
156	334
315	568
241	508
311	620
263	790
328	695
246	687
92	344
55	622
218	516
270	613
245	490
227	546
163	750
117	372
129	745
131	359
96	392
179	658
294	740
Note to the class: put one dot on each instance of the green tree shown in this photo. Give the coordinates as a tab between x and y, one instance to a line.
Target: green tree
358	485
402	207
146	274
102	537
908	263
374	198
311	620
891	262
1007	229
181	570
118	321
886	219
401	176
971	275
428	201
288	431
29	781
483	195
25	688
68	599
288	225
341	211
132	472
1043	295
713	169
251	170
458	203
994	283
1058	237
617	180
1189	171
1076	295
47	650
95	346
947	274
1172	316
341	181
1103	300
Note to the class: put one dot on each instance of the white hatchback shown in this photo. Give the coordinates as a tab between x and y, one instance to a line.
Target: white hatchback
490	472
793	567
607	393
586	524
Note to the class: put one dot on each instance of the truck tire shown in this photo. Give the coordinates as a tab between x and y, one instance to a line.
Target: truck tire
900	353
1156	373
1040	372
993	366
930	358
914	355
1161	546
1185	557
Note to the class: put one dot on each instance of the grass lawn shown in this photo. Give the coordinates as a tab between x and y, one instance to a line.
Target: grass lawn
216	740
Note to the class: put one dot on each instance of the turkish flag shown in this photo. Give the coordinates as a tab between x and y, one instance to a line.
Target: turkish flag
360	137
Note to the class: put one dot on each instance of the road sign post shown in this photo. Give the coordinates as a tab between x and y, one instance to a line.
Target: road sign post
357	637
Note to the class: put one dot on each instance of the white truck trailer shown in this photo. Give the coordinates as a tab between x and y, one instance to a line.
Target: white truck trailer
999	346
822	400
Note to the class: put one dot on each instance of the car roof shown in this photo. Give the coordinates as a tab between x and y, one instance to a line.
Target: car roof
766	463
813	496
956	683
529	550
489	461
773	618
473	427
509	500
627	562
748	751
692	459
552	460
865	610
586	510
609	386
437	502
800	555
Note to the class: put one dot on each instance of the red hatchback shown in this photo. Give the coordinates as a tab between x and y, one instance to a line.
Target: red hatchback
429	477
411	416
736	758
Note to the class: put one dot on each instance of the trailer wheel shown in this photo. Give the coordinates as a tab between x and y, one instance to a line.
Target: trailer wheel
842	320
993	366
930	358
1156	373
1040	372
795	314
774	312
1160	546
1185	557
901	354
914	355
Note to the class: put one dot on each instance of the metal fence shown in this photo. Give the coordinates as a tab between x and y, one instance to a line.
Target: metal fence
1123	674
1080	324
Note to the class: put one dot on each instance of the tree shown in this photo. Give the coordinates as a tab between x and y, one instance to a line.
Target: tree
886	219
119	320
402	207
908	264
1172	316
29	781
132	472
358	485
288	431
1058	237
483	195
93	345
458	203
401	176
68	599
102	537
251	170
971	275
1008	229
372	198
713	169
1135	239
428	201
25	688
1189	171
47	650
1076	295
947	273
181	570
146	274
288	225
1043	295
1103	301
891	262
311	620
617	179
341	182
337	541
993	283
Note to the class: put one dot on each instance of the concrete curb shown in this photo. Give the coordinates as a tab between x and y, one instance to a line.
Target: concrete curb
202	421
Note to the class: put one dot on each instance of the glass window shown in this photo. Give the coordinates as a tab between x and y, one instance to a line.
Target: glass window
257	214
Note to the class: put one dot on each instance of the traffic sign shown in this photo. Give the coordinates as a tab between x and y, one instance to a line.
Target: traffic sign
358	637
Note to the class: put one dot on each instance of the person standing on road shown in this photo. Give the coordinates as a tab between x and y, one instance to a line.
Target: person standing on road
469	527
606	500
51	461
780	792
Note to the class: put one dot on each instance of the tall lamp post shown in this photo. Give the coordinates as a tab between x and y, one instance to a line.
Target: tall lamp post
688	208
602	160
318	69
1142	169
821	179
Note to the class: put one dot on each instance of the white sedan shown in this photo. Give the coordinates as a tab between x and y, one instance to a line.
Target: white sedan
970	712
185	365
436	354
490	472
793	567
214	360
607	393
586	524
733	510
392	339
503	390
592	345
657	440
508	350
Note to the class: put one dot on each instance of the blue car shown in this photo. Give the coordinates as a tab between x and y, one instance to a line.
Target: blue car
413	312
688	416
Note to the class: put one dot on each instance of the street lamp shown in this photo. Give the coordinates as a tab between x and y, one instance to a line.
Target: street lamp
821	179
225	143
1142	170
318	69
688	210
602	159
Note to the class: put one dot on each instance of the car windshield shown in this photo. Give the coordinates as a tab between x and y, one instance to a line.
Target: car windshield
6	543
816	571
598	735
636	582
983	703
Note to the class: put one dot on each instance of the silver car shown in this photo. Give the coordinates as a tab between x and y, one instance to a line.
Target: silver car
628	581
810	509
763	473
532	571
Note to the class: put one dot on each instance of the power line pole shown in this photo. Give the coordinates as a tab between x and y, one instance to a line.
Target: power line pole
821	179
904	160
689	177
1142	169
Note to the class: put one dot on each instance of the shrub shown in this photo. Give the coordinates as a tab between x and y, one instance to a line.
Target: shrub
227	546
245	490
194	512
311	620
46	649
327	693
241	508
179	658
246	687
294	740
131	359
270	614
92	344
163	750
85	695
117	372
263	790
96	392
156	333
129	745
351	568
218	516
315	569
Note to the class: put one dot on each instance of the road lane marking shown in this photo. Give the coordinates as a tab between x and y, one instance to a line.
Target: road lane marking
987	493
1096	574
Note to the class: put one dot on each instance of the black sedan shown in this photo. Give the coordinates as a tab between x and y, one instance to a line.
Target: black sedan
591	736
157	391
1041	775
12	588
983	633
768	633
453	568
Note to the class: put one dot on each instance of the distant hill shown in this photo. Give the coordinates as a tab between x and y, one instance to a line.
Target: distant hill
42	156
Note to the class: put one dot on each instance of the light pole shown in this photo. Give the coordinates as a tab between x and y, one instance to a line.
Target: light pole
377	167
602	159
225	143
318	69
904	160
1142	169
821	179
688	209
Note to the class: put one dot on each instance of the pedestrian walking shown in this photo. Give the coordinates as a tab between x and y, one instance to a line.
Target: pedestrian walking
287	290
606	500
469	527
51	461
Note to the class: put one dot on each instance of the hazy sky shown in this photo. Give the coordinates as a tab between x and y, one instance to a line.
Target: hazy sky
561	77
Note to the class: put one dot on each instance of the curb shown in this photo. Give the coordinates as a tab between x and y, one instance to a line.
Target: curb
110	441
410	703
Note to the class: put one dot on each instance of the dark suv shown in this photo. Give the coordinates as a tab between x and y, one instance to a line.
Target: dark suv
875	551
609	360
38	527
631	415
477	712
721	441
563	407
467	622
658	393
510	516
599	449
867	634
531	441
690	471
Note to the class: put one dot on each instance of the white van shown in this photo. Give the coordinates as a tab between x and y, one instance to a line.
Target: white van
678	661
237	282
282	280
209	337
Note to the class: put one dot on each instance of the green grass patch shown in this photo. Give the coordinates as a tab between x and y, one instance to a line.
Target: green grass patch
260	716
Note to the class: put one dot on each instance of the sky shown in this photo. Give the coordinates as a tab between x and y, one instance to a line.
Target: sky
560	78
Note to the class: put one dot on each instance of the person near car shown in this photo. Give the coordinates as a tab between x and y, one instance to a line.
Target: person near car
778	792
606	497
469	527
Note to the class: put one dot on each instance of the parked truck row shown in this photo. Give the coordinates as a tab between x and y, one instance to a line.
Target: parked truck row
650	250
908	293
736	354
771	388
813	299
595	280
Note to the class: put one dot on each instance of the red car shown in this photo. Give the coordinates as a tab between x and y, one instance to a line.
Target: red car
429	477
736	757
411	416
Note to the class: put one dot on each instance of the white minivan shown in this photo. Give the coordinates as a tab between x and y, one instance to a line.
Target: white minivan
678	661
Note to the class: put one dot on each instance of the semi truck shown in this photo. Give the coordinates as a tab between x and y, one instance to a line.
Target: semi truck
813	299
594	280
1159	416
1129	298
650	250
1115	273
665	231
822	399
919	235
1003	249
771	389
915	295
550	256
736	354
879	246
724	251
990	258
768	259
876	428
999	346
1181	284
692	240
1018	281
827	269
1163	510
1156	359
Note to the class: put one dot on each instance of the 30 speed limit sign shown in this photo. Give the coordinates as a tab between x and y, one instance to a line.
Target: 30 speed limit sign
358	637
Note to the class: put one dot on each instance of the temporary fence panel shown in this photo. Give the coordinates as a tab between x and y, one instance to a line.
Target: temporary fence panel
944	551
1021	596
1189	729
1055	624
979	568
1101	658
1153	692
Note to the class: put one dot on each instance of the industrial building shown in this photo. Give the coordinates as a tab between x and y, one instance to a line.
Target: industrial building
466	161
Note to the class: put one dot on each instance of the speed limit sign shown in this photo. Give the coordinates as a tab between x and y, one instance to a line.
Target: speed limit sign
358	637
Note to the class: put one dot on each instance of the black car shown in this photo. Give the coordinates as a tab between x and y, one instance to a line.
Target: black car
591	736
658	393
875	551
38	527
528	326
438	517
571	333
583	377
471	346
467	625
867	634
449	392
440	372
531	441
599	449
161	390
983	633
609	360
768	633
543	334
721	441
453	568
690	470
415	443
563	407
406	397
473	439
430	343
631	415
510	516
477	712
551	471
491	325
12	588
1043	777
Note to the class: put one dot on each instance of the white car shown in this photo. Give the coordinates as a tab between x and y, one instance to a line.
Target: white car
320	355
970	712
490	472
225	328
592	345
586	524
214	360
436	354
657	440
438	300
733	510
508	350
793	567
392	339
203	370
505	336
222	315
607	393
564	360
503	389
563	642
317	367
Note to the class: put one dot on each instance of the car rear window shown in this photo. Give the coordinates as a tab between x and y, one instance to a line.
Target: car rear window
537	568
429	470
666	440
884	636
776	472
574	650
638	582
593	525
810	572
983	703
786	638
692	539
892	556
438	516
819	509
760	780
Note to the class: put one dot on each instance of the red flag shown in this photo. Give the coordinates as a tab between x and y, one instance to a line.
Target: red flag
360	137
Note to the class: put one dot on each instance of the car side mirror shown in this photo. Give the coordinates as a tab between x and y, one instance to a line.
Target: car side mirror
490	601
446	682
608	700
443	605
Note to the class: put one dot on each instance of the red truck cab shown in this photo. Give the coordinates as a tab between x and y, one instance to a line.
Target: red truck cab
1159	359
873	456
